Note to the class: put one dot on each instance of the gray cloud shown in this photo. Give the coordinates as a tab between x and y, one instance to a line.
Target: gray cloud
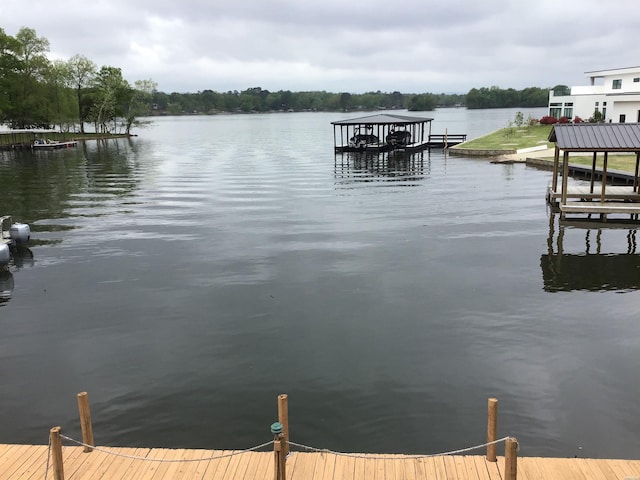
355	46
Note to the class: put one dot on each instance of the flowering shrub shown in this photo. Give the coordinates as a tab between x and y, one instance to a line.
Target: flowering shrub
547	120
578	120
564	120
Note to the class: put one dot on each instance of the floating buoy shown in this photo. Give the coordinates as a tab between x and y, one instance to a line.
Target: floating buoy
5	254
20	233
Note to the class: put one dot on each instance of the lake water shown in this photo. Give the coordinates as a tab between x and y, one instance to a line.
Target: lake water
186	277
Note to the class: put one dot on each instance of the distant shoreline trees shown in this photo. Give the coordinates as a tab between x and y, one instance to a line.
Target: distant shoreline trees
38	93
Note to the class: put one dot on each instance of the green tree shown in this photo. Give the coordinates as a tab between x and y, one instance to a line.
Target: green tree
63	100
422	102
29	103
8	72
140	103
345	101
112	94
82	72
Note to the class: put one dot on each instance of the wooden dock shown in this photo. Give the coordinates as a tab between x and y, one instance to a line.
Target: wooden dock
30	462
85	461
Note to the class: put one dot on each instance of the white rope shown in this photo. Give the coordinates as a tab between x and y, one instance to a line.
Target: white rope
133	457
398	457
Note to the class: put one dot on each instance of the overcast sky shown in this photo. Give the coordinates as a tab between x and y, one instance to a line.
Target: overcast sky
356	46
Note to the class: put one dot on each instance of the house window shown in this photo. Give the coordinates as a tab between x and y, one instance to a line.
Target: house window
636	80
555	112
568	112
597	103
617	84
623	117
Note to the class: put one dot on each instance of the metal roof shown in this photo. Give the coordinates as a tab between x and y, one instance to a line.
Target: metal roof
596	137
383	119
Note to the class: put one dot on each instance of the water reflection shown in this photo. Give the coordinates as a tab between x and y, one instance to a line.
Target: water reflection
6	286
20	258
394	166
607	257
50	190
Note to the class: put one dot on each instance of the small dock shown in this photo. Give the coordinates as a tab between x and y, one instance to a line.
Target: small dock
21	462
17	140
595	199
83	460
32	140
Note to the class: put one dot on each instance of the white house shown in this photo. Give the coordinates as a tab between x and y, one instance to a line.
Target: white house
615	94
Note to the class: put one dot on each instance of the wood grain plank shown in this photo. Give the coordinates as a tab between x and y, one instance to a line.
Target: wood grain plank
36	465
329	466
471	470
441	471
97	465
130	470
216	460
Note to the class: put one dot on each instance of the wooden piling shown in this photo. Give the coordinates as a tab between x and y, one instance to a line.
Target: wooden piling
511	459
56	453
279	459
283	418
492	429
85	420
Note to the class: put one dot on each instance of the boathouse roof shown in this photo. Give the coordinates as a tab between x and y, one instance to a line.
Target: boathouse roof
596	137
383	119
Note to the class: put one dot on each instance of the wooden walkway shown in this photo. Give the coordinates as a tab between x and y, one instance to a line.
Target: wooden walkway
30	462
613	192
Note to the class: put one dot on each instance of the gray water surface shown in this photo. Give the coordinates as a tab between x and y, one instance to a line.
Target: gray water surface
186	277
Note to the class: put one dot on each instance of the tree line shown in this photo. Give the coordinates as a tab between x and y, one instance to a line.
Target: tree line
38	93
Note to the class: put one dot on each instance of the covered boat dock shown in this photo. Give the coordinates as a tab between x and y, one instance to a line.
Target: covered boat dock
596	197
386	132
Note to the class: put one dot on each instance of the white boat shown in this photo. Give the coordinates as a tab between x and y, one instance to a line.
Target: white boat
42	144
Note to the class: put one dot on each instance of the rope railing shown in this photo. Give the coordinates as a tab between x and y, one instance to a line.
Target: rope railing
161	460
147	459
374	456
281	445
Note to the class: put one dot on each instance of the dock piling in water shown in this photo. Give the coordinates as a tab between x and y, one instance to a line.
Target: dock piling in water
85	420
283	418
492	429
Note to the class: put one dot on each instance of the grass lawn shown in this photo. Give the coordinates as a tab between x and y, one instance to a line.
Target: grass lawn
616	161
511	138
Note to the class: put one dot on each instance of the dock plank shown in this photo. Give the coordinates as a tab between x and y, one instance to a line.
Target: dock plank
34	466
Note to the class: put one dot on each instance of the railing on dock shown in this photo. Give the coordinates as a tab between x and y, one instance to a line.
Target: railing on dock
281	445
446	139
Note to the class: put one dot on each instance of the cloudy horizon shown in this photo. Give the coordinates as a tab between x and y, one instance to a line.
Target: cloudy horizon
356	46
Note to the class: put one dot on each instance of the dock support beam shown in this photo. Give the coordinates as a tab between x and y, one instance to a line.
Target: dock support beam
283	418
511	459
85	420
279	458
492	429
56	453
